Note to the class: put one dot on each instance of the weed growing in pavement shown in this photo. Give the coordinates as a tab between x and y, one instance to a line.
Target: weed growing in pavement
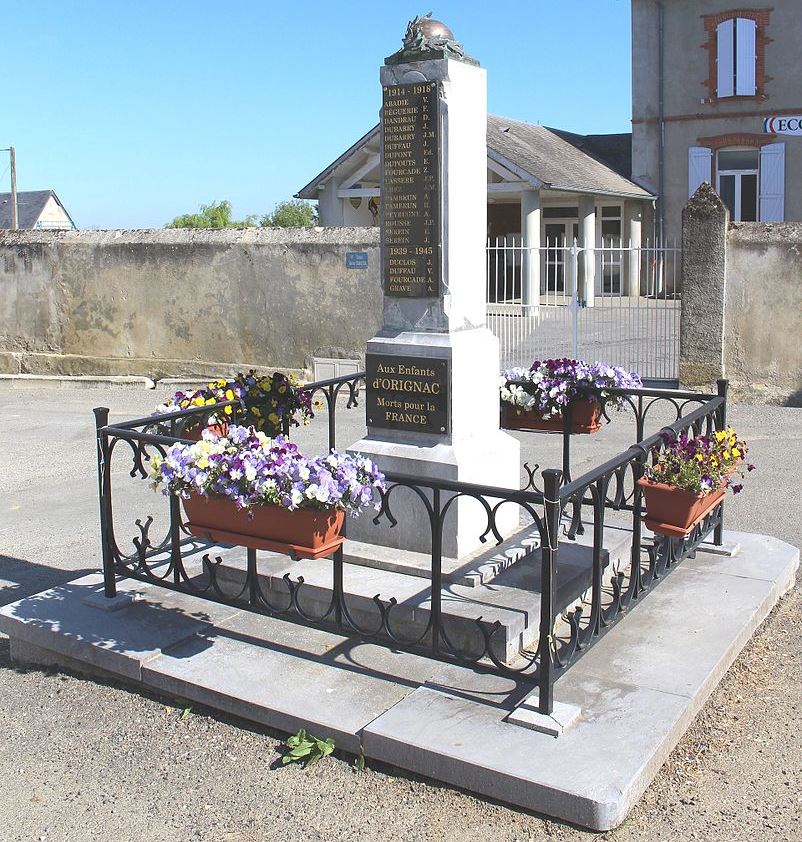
306	749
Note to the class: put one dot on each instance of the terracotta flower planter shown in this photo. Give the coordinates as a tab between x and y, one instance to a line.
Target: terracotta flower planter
673	511
309	532
194	433
585	416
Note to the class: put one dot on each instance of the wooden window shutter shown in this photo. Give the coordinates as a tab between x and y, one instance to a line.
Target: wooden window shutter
700	167
772	182
746	57
725	67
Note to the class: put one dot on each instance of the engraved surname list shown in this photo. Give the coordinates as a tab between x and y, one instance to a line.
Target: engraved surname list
411	198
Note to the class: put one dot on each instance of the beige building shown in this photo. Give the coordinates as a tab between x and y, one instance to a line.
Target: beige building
545	189
36	209
717	97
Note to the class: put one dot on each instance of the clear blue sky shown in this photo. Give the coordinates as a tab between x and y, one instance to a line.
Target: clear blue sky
135	112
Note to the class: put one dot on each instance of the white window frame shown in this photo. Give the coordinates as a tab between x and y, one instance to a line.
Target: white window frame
736	217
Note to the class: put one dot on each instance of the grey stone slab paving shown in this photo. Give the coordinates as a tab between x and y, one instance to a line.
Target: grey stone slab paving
117	641
638	688
698	620
289	676
579	776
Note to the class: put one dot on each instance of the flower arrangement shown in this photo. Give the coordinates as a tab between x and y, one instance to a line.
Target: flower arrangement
703	464
269	400
249	469
548	386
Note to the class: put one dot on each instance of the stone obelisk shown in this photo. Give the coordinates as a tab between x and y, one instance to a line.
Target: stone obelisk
432	399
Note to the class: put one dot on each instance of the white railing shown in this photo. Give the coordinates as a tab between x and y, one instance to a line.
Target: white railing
613	302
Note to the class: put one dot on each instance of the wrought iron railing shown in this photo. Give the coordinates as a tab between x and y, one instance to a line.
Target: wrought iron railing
177	560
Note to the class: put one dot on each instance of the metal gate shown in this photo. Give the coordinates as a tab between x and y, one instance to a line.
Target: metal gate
615	303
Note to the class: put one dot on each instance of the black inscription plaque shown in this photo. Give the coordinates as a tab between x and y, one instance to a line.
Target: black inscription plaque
408	393
411	191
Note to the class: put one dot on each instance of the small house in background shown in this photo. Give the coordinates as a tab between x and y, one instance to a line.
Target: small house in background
36	209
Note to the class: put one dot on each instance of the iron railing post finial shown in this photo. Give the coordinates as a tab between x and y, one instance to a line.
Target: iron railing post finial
101	420
552	481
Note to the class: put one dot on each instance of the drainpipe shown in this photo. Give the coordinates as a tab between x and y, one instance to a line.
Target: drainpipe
661	122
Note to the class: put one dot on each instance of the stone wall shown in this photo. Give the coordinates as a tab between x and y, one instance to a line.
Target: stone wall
763	326
741	304
181	302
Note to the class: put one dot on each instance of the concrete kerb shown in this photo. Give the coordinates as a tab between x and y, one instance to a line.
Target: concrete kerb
46	381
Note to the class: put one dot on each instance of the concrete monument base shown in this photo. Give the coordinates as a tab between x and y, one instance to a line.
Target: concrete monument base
475	450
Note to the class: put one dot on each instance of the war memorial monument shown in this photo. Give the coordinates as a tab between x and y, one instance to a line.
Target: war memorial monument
522	633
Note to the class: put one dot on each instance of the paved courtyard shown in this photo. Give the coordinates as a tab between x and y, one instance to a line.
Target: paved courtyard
83	760
637	333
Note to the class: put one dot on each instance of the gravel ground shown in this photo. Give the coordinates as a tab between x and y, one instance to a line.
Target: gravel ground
85	760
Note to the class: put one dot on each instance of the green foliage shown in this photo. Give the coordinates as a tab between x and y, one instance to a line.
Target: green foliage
215	215
293	214
306	749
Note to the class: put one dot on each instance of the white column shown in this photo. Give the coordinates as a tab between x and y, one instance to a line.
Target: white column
530	228
633	219
330	207
447	328
586	283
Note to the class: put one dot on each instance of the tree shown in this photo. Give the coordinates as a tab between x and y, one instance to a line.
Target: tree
292	214
215	215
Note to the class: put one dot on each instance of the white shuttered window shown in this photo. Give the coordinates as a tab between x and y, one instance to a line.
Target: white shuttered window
772	182
700	167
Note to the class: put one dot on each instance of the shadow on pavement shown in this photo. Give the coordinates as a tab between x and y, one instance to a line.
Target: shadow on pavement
20	578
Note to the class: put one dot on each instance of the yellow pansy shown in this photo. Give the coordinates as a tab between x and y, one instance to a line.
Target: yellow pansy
735	452
229	395
199	401
210	401
228	410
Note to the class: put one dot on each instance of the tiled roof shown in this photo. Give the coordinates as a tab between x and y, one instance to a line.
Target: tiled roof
559	164
556	159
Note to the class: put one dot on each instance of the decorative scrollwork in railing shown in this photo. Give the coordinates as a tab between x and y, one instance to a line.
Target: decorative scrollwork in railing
559	509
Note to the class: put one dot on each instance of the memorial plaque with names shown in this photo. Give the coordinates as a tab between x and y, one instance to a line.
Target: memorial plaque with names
408	393
411	191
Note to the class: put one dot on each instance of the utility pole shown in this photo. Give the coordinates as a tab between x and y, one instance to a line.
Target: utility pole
14	210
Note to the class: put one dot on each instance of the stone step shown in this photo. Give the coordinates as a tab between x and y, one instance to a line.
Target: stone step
485	564
514	605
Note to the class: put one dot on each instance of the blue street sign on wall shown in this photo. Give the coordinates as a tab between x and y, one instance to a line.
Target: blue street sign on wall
356	259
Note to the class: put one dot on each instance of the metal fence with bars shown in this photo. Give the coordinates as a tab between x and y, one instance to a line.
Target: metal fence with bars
613	302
